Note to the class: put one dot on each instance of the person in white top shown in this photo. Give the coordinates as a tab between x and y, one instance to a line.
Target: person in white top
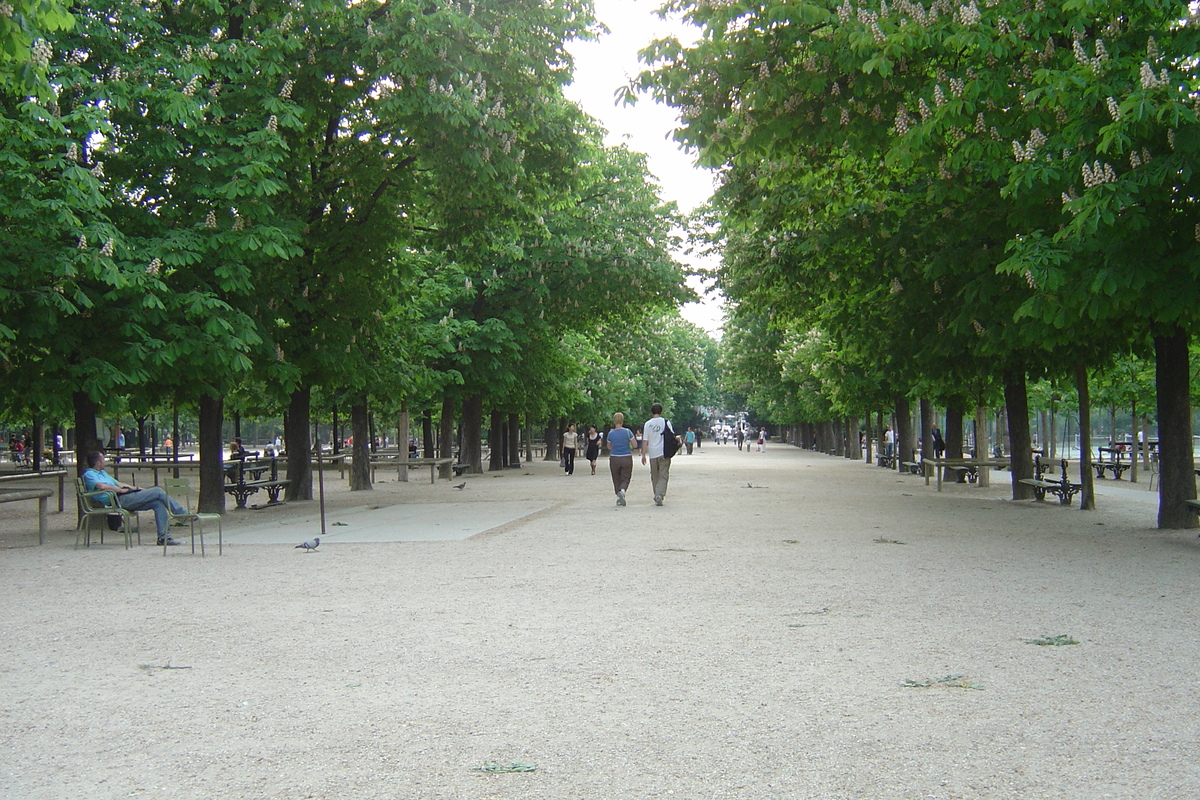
568	447
652	451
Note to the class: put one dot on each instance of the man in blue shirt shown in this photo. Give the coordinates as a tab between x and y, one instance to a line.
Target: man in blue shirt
131	497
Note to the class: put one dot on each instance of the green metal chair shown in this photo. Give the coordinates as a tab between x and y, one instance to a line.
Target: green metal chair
181	490
100	505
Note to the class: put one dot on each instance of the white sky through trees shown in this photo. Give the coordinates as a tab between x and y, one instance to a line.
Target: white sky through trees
601	68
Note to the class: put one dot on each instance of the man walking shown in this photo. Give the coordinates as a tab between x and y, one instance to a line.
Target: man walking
652	449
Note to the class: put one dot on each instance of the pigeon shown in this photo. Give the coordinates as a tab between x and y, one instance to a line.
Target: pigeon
461	486
309	546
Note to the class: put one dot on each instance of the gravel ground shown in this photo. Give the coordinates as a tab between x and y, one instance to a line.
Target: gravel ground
750	639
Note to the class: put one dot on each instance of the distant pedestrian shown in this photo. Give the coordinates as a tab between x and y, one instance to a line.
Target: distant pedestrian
740	437
762	440
569	440
656	429
939	444
689	440
620	442
592	445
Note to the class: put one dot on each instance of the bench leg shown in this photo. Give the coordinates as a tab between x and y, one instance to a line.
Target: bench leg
42	520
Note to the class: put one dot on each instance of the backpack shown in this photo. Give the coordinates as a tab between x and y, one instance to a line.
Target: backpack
670	441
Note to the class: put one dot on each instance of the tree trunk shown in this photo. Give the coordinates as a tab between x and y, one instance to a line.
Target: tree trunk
1176	480
955	411
446	435
86	439
904	432
551	443
1087	498
427	433
1133	452
360	451
853	446
982	444
210	498
299	447
496	440
403	424
514	440
926	428
1016	404
472	443
867	434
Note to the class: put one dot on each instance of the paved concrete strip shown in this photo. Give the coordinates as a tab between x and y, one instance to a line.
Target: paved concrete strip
409	522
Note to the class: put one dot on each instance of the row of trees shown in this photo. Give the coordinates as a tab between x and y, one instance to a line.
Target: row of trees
948	200
230	203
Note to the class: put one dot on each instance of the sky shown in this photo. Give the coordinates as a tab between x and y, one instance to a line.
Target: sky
603	67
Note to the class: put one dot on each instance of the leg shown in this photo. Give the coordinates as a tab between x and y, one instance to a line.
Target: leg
615	470
152	499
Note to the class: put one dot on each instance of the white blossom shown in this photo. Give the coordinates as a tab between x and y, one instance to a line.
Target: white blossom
82	243
1114	110
107	249
210	219
154	267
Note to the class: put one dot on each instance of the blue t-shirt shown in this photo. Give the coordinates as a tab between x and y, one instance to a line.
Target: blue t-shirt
620	439
93	476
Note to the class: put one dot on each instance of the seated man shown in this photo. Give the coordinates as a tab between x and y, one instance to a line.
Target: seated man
131	497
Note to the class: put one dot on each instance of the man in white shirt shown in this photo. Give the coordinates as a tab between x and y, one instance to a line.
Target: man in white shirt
652	450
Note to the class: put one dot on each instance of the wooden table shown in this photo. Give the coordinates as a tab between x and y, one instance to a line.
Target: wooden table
432	463
961	463
61	474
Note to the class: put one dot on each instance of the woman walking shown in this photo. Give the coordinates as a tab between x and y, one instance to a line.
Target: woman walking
620	456
568	447
592	451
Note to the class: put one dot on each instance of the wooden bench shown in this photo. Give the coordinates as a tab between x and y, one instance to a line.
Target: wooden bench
32	494
1062	488
913	467
245	477
885	460
459	469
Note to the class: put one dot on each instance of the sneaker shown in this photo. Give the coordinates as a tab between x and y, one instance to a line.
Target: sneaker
658	499
621	497
169	542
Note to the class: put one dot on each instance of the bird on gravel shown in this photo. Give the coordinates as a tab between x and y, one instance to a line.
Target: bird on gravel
461	486
309	546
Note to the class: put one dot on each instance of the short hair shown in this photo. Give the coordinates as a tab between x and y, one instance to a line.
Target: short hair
656	408
93	458
619	418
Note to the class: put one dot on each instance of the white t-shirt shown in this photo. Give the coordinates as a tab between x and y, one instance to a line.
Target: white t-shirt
569	440
652	435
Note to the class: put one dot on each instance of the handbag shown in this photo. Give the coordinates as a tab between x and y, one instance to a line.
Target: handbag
562	462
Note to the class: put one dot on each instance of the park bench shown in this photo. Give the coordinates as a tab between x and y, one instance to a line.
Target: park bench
459	469
31	494
885	460
1116	463
1061	488
246	476
1193	506
913	467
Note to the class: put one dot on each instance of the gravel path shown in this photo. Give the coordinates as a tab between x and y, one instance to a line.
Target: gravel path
750	639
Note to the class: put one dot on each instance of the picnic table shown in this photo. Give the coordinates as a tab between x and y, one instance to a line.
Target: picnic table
970	466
